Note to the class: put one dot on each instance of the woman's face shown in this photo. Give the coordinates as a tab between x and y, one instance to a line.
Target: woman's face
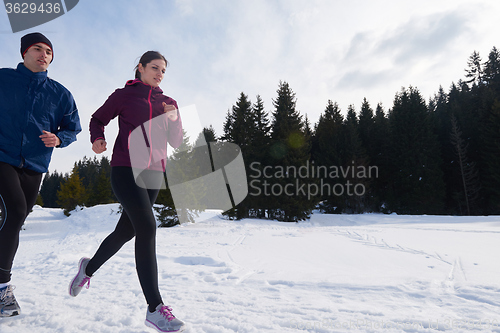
153	72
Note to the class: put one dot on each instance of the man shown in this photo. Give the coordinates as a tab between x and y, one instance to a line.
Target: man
36	115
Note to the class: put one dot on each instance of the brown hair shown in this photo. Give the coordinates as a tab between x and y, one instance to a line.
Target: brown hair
146	59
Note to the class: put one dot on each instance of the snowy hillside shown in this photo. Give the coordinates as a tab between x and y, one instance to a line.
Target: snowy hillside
334	273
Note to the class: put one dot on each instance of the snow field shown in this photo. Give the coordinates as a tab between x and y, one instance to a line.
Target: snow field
334	273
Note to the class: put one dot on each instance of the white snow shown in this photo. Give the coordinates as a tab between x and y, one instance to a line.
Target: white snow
334	273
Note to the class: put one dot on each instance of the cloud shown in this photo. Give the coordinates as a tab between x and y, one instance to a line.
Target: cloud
380	57
423	37
364	79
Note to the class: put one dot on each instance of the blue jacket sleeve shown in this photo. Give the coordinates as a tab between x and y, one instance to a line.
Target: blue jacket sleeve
70	124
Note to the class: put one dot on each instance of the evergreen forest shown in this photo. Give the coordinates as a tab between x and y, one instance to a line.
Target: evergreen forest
436	156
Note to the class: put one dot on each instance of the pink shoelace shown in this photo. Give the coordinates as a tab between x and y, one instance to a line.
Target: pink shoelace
86	280
166	312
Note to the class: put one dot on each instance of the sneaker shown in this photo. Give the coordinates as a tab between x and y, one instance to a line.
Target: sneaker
163	320
80	279
8	304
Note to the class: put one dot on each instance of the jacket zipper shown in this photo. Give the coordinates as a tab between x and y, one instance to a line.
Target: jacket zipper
149	133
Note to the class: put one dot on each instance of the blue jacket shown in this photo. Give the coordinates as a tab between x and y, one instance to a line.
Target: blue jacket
29	104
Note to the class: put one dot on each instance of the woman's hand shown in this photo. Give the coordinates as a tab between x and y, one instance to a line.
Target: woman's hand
171	111
99	146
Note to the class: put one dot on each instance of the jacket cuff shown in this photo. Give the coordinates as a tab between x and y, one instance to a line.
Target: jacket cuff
99	138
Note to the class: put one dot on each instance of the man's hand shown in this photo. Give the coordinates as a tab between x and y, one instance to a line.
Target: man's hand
50	139
170	110
99	146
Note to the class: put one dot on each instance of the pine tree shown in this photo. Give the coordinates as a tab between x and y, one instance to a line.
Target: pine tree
474	72
492	70
468	171
239	129
50	186
327	151
209	134
353	144
248	127
200	153
72	192
103	193
88	170
166	213
182	168
442	112
471	106
380	159
329	147
366	124
417	186
289	149
491	160
262	127
355	159
256	158
236	127
39	200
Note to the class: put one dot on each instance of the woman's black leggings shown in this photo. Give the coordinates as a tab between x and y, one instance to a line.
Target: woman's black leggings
136	220
18	193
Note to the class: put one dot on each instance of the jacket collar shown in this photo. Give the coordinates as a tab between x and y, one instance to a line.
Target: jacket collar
138	83
37	76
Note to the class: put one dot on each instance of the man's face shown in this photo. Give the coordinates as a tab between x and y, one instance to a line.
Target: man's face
38	57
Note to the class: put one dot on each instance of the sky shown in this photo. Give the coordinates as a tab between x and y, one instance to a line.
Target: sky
342	51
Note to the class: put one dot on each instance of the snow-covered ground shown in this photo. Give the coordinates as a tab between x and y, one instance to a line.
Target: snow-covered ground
334	273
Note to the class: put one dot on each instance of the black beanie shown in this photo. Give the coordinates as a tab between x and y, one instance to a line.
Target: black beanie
30	39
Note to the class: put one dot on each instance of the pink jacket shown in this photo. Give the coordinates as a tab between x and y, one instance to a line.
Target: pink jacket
136	104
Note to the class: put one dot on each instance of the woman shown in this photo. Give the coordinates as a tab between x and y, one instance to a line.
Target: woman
137	103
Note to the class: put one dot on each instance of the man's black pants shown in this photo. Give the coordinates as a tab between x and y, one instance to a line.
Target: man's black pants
18	193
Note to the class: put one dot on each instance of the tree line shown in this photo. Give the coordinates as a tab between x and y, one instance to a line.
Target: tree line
87	185
440	156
